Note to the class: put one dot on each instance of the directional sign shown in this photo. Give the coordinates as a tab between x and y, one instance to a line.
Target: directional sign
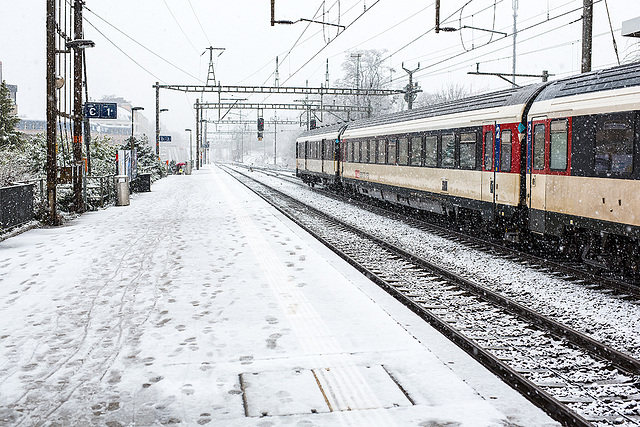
101	110
164	138
108	110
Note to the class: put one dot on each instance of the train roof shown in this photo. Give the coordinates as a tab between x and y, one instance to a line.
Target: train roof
507	101
619	77
329	132
503	98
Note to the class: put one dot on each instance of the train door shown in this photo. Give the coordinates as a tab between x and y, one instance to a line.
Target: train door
307	147
336	156
536	177
322	154
488	170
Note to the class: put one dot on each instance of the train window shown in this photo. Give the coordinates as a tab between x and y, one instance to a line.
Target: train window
468	150
416	151
403	151
350	151
614	143
505	151
391	152
382	151
538	146
448	150
559	145
488	151
431	151
367	152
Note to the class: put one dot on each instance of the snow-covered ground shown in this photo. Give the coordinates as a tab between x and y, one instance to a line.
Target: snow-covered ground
200	305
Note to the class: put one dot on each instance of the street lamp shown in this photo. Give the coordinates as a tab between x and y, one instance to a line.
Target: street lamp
133	110
190	148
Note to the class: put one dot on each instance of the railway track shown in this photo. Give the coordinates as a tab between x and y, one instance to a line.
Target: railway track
576	379
624	287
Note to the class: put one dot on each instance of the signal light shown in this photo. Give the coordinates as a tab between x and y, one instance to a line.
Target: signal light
260	124
313	124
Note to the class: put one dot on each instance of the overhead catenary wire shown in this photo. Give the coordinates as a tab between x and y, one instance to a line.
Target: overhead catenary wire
338	35
465	65
138	43
422	71
615	45
122	51
199	23
442	53
180	26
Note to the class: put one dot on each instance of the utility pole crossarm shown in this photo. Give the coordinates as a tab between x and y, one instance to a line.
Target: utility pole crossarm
544	76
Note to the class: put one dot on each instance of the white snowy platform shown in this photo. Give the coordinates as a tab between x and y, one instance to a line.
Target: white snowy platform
200	305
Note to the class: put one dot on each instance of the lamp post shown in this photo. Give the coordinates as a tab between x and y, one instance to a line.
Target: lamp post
190	149
133	110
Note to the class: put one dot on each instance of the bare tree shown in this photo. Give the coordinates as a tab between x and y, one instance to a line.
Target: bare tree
365	69
450	92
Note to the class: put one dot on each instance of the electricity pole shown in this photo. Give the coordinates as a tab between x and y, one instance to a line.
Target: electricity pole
515	33
198	124
77	108
52	113
587	34
357	56
157	119
211	75
412	91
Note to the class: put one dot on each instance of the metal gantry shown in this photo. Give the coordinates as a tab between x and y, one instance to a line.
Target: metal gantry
295	90
310	106
303	106
253	122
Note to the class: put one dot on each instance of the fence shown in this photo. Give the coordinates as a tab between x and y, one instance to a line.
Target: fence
16	205
17	201
100	190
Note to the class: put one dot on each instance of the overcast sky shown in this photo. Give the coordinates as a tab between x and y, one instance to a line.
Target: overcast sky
166	38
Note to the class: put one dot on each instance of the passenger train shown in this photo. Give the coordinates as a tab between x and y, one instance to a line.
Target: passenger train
559	160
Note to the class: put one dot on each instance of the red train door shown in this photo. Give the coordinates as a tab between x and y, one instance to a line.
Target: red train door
536	177
488	169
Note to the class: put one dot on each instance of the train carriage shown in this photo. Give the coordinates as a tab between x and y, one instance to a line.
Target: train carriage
462	158
317	155
560	160
583	169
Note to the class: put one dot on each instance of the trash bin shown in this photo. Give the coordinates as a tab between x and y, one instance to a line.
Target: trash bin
122	190
141	183
188	167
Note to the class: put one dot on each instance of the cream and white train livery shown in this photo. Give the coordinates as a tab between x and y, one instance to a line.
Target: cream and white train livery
558	159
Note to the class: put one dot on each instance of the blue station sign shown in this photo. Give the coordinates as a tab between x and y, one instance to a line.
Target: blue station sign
101	110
